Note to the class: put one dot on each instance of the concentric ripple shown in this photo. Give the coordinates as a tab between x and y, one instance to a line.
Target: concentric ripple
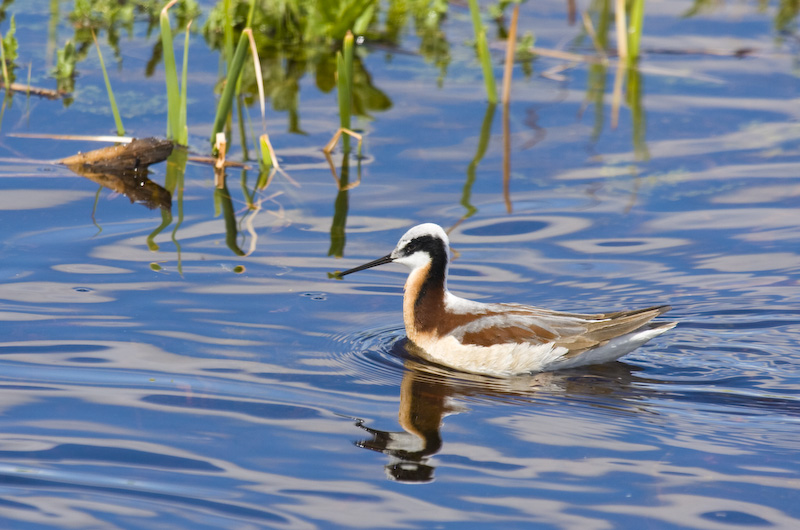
384	356
376	355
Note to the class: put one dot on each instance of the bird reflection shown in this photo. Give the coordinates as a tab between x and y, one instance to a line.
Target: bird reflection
422	407
428	393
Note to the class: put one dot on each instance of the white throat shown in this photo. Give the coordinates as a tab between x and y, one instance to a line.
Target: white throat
415	261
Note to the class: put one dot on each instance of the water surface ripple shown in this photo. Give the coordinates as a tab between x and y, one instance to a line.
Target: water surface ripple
200	368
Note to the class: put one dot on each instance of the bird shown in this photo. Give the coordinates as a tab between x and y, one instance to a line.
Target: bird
502	339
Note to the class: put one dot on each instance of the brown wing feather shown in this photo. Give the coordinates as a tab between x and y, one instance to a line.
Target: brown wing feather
508	334
576	332
612	325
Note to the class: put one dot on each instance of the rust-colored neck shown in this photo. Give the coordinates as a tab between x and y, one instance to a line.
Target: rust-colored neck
423	301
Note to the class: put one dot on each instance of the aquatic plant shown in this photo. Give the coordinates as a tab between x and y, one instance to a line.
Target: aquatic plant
234	69
111	100
112	16
296	38
511	43
290	23
64	70
8	53
176	93
635	28
344	68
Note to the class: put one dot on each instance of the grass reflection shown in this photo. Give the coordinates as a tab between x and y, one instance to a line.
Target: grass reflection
472	168
174	183
223	202
785	18
597	26
224	205
176	173
341	207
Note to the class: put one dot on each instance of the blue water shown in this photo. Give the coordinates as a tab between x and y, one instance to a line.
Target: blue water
177	383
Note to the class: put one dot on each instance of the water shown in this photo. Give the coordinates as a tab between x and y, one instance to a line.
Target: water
170	381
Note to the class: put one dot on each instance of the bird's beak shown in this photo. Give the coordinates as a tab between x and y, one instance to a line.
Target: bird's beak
380	261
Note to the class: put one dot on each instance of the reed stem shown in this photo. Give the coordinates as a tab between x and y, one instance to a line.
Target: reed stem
511	44
622	30
170	74
234	71
6	81
184	136
112	101
226	100
344	66
635	30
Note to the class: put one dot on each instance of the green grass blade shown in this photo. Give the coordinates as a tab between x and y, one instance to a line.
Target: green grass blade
228	31
343	93
635	30
251	13
170	75
226	101
112	101
347	87
184	131
6	82
266	152
10	51
344	70
342	87
475	12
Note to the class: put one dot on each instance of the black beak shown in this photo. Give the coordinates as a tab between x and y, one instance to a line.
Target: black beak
380	261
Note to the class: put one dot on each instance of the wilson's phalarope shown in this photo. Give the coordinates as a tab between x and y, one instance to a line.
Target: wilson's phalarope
502	339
